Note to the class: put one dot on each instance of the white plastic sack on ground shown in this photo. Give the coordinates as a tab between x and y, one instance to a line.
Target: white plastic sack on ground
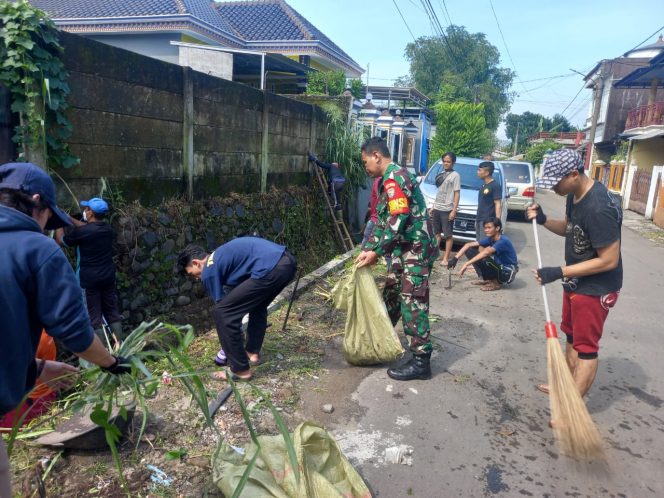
369	335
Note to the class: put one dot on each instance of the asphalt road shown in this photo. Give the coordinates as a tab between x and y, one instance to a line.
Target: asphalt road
479	427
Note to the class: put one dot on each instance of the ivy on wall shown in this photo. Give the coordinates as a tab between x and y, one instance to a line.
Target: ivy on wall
30	67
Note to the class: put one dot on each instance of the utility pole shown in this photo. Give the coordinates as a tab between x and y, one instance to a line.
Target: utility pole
516	140
597	101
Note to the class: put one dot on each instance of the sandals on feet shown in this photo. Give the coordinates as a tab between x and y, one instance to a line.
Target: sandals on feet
222	375
491	287
254	363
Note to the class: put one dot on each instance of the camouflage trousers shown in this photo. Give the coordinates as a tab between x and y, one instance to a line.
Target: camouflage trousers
406	295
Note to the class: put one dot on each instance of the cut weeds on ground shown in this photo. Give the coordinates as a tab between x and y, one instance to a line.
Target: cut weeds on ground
169	432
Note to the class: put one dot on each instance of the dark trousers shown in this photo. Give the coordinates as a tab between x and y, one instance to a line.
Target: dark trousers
487	268
102	302
252	296
336	187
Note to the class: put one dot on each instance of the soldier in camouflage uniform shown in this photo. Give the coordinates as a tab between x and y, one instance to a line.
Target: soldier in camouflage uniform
403	230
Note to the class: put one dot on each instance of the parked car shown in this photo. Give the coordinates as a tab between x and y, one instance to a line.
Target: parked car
520	184
464	223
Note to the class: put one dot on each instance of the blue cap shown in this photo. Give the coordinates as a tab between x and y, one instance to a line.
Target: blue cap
96	204
31	179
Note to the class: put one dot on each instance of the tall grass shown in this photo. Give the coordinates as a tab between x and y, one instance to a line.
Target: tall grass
105	392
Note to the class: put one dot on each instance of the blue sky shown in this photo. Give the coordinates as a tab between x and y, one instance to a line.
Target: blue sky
544	38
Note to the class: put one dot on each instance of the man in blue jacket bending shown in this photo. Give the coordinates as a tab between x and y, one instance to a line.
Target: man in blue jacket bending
38	290
242	276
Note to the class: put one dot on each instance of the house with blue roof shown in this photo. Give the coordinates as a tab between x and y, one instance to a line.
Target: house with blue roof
238	40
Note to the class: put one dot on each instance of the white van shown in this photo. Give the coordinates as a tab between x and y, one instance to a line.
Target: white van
464	223
520	184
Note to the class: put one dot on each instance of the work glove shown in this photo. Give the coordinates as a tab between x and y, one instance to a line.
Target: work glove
550	274
452	262
311	157
540	218
121	366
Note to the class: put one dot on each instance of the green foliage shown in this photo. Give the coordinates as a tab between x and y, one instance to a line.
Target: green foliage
535	153
30	67
103	391
530	123
461	128
343	146
622	147
465	68
326	82
356	87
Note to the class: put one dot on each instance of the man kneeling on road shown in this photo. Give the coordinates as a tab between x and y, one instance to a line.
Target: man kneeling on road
242	276
493	257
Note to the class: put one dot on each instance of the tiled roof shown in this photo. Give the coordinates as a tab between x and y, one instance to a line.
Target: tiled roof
263	23
100	9
248	19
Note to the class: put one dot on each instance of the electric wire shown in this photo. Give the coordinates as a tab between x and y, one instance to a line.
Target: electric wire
404	19
500	30
637	46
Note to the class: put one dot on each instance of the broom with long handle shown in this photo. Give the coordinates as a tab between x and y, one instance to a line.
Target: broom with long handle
572	426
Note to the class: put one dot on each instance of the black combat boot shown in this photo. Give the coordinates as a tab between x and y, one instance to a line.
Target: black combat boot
416	368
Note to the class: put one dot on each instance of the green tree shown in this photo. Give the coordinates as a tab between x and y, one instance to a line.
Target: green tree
326	82
535	153
528	124
559	123
461	67
461	128
356	87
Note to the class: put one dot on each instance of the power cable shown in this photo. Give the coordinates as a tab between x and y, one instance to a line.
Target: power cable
446	13
637	46
403	19
433	18
500	30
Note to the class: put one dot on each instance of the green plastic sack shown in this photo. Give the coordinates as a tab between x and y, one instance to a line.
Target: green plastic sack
369	336
324	470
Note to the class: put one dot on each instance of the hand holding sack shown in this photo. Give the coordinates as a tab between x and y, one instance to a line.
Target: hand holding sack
369	337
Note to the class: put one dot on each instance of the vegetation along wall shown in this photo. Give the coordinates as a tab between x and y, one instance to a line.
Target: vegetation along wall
149	240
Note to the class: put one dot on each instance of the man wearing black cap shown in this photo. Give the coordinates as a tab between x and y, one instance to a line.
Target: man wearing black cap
592	275
38	291
93	240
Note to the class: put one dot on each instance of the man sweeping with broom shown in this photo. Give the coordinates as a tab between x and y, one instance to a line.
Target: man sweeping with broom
592	275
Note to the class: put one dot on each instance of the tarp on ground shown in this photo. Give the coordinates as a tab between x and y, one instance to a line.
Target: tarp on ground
324	470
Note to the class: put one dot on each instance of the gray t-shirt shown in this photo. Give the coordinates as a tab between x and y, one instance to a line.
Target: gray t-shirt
592	223
445	195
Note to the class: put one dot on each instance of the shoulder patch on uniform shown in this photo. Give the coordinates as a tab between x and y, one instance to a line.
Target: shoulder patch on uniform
396	199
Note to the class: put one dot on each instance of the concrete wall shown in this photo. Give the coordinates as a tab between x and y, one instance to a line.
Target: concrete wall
154	129
212	62
648	153
157	45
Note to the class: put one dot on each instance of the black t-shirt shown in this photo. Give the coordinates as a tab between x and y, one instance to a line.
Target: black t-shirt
94	254
592	223
486	207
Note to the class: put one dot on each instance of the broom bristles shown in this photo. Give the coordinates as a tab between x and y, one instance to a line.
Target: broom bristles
574	429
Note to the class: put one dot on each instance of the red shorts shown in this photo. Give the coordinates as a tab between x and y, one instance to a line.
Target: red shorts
583	319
